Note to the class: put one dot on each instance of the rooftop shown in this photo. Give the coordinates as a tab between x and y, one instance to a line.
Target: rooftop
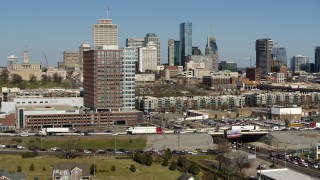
284	174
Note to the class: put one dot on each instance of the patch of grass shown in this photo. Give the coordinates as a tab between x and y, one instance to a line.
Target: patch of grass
156	171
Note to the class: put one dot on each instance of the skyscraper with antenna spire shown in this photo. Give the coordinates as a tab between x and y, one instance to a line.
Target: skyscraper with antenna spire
212	50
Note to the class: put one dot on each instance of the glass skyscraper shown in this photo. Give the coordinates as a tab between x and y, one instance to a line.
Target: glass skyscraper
317	59
185	48
279	54
176	53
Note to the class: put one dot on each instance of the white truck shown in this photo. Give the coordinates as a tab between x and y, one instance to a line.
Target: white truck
145	130
53	131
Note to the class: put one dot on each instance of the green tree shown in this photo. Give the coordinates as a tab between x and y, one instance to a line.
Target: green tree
173	166
44	169
93	169
31	168
113	168
19	169
132	168
137	157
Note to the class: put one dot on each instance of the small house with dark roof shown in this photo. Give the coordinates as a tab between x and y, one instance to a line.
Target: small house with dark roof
4	175
72	170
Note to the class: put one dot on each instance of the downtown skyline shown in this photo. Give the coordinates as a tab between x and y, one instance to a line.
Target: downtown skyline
52	27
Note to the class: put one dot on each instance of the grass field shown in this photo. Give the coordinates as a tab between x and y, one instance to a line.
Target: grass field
154	172
83	142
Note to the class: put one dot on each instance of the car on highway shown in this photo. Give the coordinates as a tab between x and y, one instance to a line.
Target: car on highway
304	164
316	166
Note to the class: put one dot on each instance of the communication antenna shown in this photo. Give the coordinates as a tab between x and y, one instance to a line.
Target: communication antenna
108	9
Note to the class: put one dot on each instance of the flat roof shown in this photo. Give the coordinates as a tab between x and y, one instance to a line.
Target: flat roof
284	174
63	107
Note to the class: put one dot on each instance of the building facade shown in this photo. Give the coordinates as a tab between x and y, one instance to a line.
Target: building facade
105	34
147	57
317	59
227	65
298	62
185	47
128	83
102	75
171	52
26	69
211	50
152	37
279	54
263	55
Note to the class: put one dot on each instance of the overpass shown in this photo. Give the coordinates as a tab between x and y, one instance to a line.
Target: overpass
246	136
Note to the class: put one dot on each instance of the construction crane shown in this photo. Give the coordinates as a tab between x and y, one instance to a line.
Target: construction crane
46	60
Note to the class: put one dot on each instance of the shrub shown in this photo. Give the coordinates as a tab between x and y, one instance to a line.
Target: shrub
113	168
194	168
19	169
143	159
149	160
137	157
31	168
165	162
168	154
93	169
181	161
44	169
173	166
29	154
132	168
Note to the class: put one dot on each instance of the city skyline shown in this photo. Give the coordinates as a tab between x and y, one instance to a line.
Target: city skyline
56	26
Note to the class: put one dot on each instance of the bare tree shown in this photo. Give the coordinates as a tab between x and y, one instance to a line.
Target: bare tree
240	160
56	78
223	149
16	79
4	76
32	78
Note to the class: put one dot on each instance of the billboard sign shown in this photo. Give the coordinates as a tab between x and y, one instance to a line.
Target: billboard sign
234	133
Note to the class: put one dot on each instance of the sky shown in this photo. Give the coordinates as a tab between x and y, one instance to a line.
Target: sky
49	27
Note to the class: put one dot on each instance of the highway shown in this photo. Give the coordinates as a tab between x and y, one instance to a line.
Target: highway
264	154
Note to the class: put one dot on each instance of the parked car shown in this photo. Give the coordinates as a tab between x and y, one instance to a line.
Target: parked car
304	164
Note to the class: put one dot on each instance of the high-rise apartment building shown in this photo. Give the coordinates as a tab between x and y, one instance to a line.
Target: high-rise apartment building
128	83
299	63
148	57
102	79
264	55
317	59
105	35
171	52
153	37
185	48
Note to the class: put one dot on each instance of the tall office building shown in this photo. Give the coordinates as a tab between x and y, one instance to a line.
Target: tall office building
212	51
171	52
153	37
148	57
299	63
263	55
102	79
317	59
176	53
279	55
105	35
134	42
128	83
185	48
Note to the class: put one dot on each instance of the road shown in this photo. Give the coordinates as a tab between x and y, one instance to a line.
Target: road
264	154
